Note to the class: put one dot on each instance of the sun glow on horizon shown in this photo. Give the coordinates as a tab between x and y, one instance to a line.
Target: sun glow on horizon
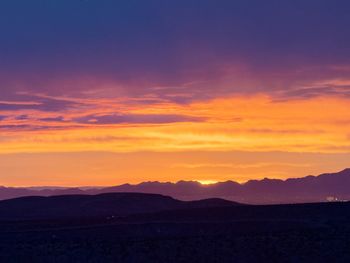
207	182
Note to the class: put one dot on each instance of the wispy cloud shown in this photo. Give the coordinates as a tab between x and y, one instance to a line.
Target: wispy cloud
135	118
32	102
245	123
237	165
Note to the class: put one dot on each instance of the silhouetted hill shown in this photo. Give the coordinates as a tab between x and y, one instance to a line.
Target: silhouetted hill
331	186
14	192
82	206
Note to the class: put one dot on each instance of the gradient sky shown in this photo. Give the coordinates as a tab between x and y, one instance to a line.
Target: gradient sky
101	92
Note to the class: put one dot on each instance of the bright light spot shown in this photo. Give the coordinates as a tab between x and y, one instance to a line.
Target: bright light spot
207	182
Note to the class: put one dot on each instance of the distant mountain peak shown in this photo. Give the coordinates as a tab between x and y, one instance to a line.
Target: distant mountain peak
346	170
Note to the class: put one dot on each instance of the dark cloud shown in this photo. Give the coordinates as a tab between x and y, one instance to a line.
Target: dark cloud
31	102
66	47
53	119
30	127
22	117
135	118
315	91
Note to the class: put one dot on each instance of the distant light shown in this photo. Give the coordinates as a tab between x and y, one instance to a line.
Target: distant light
332	199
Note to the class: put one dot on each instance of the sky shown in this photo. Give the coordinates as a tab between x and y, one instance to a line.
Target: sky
102	92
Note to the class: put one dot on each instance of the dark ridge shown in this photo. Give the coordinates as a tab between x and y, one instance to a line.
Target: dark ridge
101	205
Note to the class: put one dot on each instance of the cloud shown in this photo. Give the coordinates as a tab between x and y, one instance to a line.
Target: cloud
135	118
238	165
213	50
53	119
22	117
331	87
29	127
34	102
285	131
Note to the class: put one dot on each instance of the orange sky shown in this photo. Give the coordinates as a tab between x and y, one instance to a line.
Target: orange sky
109	92
232	138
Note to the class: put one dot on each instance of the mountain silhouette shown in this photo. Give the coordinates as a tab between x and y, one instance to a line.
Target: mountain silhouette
321	188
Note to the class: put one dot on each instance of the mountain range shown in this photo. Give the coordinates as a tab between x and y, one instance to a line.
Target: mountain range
321	188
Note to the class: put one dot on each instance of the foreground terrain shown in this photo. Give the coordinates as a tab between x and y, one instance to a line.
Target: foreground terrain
172	231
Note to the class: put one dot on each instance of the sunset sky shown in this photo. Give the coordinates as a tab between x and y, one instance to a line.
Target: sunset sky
102	92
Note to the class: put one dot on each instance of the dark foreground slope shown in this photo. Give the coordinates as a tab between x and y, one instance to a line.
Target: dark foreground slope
191	233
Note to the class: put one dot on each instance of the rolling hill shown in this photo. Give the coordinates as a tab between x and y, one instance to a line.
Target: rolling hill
102	205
